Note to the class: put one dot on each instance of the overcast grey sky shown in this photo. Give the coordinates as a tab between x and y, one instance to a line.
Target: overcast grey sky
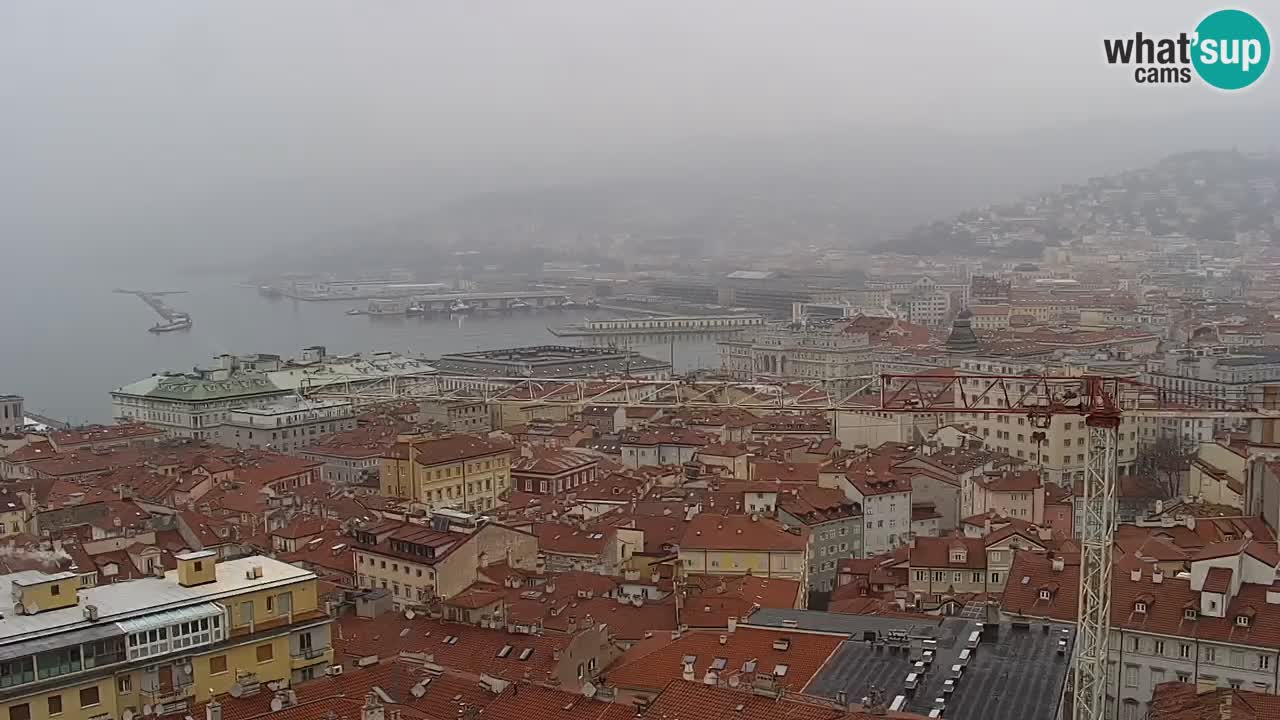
122	119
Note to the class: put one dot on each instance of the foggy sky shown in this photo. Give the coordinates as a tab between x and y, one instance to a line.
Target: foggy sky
214	125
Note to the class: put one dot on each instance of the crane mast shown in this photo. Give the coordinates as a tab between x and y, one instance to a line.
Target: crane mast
1102	401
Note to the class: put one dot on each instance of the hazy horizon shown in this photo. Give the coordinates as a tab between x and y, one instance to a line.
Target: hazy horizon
204	130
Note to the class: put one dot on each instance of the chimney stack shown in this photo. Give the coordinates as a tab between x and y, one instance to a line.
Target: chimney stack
372	709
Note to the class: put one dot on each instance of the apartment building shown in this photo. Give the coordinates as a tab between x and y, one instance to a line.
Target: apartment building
1061	450
1017	494
1218	472
715	544
459	415
941	567
418	563
552	472
285	427
1214	624
1206	374
156	645
463	472
834	523
881	490
661	447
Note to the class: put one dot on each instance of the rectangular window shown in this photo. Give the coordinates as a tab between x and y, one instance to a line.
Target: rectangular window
218	664
55	704
1184	650
89	697
266	653
20	712
1131	676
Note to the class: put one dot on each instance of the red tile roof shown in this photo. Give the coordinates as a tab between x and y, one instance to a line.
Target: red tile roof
1167	602
771	470
935	552
1013	481
454	448
1218	580
712	600
97	434
813	504
569	540
1183	701
553	462
675	436
476	650
650	667
695	701
709	531
522	702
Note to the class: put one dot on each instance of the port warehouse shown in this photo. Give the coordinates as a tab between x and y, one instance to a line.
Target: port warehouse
476	301
666	324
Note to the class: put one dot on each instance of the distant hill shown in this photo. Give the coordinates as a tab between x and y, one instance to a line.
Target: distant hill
1208	195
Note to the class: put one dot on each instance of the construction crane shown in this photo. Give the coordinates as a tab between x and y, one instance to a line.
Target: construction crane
1102	402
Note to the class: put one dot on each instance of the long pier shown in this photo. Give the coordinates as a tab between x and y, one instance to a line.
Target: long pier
173	319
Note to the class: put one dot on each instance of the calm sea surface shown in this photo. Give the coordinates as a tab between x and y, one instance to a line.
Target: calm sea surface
66	340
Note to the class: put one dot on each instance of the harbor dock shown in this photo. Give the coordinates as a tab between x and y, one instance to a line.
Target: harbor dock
171	319
664	325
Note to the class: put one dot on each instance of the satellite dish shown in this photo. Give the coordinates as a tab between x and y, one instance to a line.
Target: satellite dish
277	704
273	685
148	710
418	690
734	681
236	690
409	614
589	690
128	714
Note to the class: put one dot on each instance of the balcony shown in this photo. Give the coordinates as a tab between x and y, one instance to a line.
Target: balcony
169	694
304	657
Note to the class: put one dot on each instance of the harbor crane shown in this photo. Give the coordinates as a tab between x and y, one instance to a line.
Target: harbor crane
1101	401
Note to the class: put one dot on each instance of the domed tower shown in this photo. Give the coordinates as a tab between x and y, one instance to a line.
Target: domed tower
962	339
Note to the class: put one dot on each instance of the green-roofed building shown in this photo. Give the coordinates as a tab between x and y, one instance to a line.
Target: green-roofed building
193	405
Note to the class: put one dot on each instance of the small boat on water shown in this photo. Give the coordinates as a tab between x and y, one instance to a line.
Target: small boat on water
458	306
355	311
416	308
568	304
178	323
517	304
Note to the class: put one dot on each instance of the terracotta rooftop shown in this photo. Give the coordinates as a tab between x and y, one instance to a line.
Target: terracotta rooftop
710	531
655	665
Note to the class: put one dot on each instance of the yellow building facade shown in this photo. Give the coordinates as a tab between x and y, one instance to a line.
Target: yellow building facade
157	645
462	472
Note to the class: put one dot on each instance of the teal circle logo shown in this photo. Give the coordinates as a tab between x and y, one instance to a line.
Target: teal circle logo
1231	49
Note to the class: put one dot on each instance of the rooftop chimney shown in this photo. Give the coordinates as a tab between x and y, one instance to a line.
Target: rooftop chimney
213	711
372	709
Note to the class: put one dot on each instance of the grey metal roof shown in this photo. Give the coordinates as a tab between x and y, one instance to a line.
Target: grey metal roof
1015	672
51	642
